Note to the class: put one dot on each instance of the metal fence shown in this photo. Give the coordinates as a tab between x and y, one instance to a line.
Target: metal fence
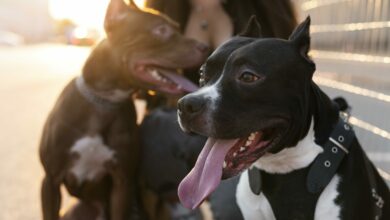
349	26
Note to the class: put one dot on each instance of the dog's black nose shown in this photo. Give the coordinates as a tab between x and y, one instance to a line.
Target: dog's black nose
191	105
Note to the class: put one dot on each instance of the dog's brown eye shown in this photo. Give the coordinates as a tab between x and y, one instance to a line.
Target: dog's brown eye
248	77
163	31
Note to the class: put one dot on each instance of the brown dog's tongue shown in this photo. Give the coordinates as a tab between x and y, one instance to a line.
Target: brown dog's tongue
186	84
206	174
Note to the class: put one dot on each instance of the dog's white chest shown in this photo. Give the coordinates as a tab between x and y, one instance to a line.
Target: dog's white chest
326	208
252	206
92	155
257	207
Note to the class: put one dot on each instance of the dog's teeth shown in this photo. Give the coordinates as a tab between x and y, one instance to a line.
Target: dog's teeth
155	74
224	164
252	136
247	143
234	154
242	149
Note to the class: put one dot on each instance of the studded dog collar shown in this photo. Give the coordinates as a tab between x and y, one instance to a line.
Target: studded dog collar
326	164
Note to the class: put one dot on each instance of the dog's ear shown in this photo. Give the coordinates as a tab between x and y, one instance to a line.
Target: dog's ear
301	38
133	5
116	11
252	28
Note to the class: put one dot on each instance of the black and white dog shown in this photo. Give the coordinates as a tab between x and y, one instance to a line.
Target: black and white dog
261	110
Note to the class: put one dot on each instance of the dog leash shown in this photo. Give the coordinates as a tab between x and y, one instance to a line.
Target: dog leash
93	98
326	164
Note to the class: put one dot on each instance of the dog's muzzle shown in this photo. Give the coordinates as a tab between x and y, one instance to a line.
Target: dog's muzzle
190	106
194	115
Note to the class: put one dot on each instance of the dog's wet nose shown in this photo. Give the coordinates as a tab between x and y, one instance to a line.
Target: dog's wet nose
190	105
202	47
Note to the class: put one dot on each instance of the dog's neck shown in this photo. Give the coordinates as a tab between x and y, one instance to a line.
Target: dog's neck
291	158
322	116
108	102
325	114
102	73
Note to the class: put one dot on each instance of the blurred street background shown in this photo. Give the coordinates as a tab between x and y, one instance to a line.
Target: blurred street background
43	44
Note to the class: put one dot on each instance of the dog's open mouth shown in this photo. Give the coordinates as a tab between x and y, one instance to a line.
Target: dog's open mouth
247	150
223	159
162	79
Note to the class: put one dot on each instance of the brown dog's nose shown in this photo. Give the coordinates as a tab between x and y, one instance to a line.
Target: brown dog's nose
190	105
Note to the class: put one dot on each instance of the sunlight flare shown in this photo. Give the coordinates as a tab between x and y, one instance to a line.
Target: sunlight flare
86	13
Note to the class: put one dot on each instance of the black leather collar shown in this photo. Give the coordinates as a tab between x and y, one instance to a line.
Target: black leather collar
326	164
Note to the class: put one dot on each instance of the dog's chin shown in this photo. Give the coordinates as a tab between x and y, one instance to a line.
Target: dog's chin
249	149
183	127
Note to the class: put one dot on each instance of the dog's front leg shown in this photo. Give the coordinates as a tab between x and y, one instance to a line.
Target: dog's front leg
51	199
121	196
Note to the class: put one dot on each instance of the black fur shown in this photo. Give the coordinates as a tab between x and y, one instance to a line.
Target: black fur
283	97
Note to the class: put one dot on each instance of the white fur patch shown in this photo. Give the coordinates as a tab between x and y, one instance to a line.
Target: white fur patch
209	92
252	206
92	156
326	208
292	158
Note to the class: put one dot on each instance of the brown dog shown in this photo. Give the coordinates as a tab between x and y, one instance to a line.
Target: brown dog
90	141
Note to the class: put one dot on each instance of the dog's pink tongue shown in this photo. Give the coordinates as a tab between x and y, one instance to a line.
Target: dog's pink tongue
206	174
186	84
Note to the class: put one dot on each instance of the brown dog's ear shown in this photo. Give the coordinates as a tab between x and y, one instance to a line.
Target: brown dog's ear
252	28
301	38
133	5
116	11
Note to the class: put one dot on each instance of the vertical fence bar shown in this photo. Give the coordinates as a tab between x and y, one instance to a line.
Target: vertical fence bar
386	17
382	44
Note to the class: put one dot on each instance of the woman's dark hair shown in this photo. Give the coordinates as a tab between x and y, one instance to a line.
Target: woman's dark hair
276	17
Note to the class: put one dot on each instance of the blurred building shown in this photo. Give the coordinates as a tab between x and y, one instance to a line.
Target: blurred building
30	19
350	26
